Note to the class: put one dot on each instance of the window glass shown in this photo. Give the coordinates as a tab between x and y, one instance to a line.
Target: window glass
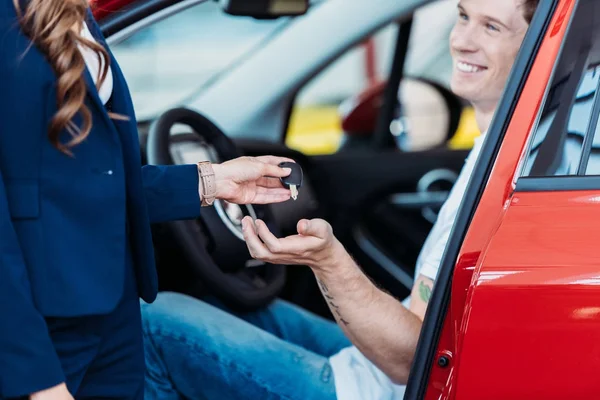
565	142
593	166
175	58
315	124
557	145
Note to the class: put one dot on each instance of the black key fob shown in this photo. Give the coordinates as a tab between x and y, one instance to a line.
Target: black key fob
294	178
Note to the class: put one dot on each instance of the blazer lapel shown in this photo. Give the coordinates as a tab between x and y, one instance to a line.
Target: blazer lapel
93	95
120	98
92	91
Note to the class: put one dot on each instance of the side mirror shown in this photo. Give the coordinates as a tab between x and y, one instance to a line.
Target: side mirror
430	114
264	9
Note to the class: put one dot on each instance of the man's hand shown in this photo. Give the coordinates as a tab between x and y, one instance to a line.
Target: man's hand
59	392
376	323
251	180
314	245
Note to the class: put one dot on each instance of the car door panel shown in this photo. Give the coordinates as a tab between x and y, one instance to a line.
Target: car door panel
548	282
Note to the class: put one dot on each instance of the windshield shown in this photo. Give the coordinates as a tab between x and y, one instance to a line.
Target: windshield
173	59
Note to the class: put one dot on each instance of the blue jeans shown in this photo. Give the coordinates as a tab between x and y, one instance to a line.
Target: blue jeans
195	350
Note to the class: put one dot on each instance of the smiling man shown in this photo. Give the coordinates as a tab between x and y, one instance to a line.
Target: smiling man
195	350
484	44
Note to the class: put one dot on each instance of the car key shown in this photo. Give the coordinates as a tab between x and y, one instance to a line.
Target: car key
294	180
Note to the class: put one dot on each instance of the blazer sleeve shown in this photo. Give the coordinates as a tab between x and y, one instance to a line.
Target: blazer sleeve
28	360
171	192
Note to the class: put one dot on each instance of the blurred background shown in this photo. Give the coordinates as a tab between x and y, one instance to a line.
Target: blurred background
178	58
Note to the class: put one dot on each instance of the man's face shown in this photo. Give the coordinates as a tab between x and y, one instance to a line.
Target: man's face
484	44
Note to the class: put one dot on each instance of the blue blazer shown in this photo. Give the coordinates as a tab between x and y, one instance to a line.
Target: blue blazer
63	219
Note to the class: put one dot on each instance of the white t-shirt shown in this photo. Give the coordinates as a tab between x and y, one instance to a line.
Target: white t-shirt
356	378
95	65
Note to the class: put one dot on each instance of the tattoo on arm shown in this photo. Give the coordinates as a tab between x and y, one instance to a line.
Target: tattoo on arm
323	286
424	291
330	300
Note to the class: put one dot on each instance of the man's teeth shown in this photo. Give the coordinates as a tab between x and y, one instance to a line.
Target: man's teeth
464	67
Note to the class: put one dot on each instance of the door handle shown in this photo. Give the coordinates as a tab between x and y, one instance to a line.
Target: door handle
426	198
412	201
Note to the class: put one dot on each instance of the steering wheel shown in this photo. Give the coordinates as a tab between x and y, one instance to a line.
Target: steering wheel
213	244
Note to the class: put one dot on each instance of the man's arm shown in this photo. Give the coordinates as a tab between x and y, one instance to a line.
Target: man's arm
420	295
377	324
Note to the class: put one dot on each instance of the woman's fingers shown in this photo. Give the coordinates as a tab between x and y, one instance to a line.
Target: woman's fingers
273	160
269	170
271	166
270	198
267	196
273	191
269	182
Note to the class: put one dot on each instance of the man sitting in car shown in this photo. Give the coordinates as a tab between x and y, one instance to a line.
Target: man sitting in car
196	350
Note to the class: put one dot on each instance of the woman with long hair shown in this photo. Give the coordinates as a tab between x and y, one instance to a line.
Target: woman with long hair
76	206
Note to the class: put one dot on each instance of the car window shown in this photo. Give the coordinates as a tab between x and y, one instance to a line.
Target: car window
565	140
315	122
320	117
173	59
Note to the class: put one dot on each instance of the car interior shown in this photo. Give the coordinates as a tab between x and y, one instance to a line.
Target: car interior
380	192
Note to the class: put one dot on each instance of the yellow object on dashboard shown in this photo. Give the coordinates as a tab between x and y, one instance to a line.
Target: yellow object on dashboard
467	131
316	130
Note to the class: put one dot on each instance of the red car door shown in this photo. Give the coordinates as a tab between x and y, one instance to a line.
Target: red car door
517	315
526	326
102	8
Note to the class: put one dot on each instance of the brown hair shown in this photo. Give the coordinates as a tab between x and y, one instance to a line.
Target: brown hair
54	26
529	7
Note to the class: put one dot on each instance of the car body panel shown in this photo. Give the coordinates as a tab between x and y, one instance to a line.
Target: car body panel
537	302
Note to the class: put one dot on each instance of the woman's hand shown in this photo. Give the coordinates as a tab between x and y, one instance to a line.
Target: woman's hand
251	180
59	392
314	245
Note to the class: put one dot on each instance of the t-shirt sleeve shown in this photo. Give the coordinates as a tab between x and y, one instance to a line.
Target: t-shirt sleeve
431	263
430	259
